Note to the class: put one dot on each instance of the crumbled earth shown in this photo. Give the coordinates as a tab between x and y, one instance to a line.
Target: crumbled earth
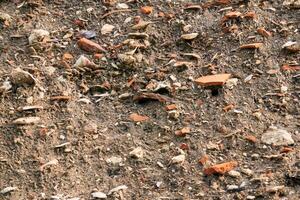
158	99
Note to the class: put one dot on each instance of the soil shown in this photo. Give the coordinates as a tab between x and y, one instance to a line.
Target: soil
85	126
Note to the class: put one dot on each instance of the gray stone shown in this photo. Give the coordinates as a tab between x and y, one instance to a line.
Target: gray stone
277	137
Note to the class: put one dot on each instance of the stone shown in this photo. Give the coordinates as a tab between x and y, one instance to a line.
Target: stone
178	159
114	160
234	174
137	153
107	28
276	136
232	187
90	127
20	77
38	35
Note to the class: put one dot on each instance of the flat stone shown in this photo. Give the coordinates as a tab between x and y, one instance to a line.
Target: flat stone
276	136
20	77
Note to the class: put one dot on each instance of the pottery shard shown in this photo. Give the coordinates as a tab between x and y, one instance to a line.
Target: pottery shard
220	168
213	80
277	137
90	46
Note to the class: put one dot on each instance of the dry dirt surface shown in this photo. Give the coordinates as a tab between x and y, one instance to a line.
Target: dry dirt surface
157	99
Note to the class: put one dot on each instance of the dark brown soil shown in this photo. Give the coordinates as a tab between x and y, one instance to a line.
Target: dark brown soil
94	120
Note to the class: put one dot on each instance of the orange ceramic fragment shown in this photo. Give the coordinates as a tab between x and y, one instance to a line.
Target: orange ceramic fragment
220	168
213	80
251	138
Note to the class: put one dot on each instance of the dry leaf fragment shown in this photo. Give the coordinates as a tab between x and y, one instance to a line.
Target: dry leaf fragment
228	107
251	46
141	25
67	56
189	36
233	14
151	96
250	15
138	35
203	159
90	46
60	98
264	32
146	10
138	118
193	7
26	120
290	67
51	162
251	138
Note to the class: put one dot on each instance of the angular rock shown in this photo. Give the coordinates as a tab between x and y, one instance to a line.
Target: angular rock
38	35
137	153
213	80
276	136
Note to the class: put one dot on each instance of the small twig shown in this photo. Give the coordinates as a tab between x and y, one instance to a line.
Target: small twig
117	11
